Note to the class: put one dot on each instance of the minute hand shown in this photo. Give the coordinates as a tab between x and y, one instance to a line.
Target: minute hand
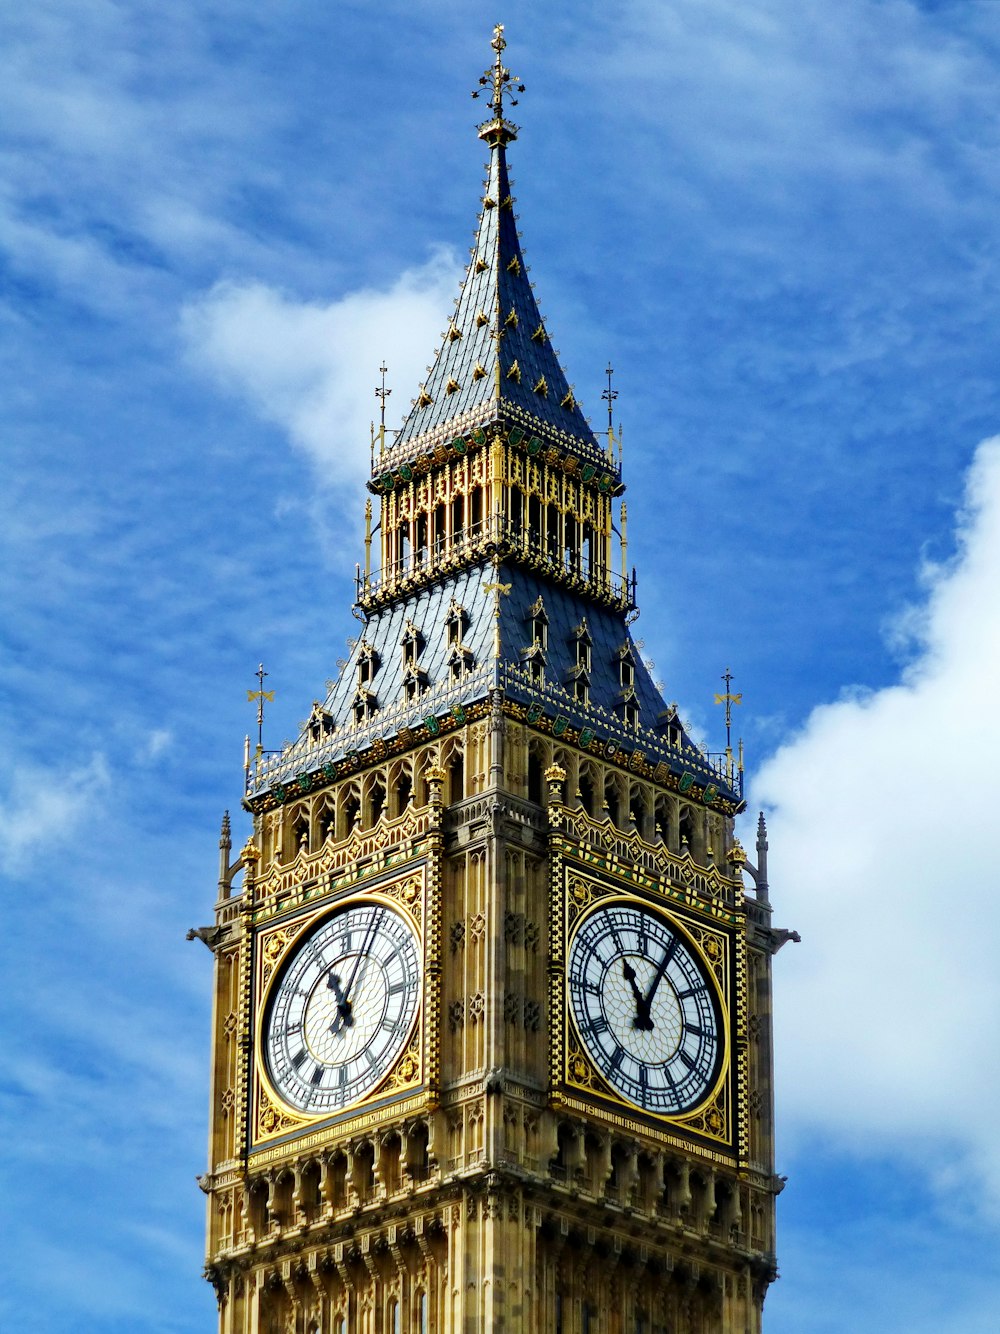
377	916
658	978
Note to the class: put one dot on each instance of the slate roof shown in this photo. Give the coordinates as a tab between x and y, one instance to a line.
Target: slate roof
496	292
429	609
496	285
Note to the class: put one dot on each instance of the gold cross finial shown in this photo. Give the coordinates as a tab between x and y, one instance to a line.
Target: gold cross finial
498	78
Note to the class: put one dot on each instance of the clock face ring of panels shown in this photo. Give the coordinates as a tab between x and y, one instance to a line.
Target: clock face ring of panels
646	1007
342	1008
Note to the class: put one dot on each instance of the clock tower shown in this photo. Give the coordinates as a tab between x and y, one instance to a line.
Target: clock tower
492	1026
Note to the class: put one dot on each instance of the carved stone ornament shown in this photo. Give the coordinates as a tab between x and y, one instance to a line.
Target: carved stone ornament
271	1119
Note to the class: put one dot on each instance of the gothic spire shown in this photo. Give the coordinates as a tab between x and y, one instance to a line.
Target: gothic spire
497	357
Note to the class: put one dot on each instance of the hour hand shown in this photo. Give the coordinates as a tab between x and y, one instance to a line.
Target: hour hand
344	1017
641	1019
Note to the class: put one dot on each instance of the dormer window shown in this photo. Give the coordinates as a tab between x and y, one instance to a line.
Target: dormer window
579	673
631	713
539	625
368	664
363	705
412	642
414	681
626	667
460	661
583	643
455	623
669	723
320	723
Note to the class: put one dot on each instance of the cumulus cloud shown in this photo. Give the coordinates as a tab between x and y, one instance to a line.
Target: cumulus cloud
43	808
311	368
882	817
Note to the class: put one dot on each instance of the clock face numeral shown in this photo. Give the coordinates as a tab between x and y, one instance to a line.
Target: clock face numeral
343	1008
644	1008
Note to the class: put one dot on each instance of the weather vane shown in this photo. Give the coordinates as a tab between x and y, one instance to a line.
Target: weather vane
729	700
498	78
498	589
260	695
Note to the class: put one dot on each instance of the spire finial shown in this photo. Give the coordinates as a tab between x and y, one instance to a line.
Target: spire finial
729	699
501	83
609	397
381	393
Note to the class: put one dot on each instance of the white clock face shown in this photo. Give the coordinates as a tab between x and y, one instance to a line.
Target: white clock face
645	1008
343	1009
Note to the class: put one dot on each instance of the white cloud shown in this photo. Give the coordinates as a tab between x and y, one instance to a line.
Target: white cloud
311	369
883	855
42	808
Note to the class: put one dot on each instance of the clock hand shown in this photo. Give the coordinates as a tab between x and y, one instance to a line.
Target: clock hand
657	979
344	1004
344	1016
642	1019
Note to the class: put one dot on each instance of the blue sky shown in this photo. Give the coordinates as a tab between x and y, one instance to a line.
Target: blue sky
777	218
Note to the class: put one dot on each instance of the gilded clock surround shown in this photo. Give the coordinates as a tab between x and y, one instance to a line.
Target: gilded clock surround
274	1115
493	759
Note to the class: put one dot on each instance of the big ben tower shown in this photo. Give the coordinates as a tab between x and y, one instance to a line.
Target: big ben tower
492	1020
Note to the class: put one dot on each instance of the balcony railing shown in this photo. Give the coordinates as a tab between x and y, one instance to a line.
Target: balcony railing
499	535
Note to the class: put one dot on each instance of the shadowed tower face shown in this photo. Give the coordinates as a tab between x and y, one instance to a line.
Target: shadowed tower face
492	1023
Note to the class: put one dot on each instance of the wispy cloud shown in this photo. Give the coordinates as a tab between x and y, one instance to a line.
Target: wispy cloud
42	808
883	851
311	368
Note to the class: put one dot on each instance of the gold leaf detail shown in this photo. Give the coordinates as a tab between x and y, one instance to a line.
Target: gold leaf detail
480	372
540	336
514	373
454	333
541	387
481	266
452	386
514	266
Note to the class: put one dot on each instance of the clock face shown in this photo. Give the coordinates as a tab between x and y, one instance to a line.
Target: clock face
645	1008
343	1008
